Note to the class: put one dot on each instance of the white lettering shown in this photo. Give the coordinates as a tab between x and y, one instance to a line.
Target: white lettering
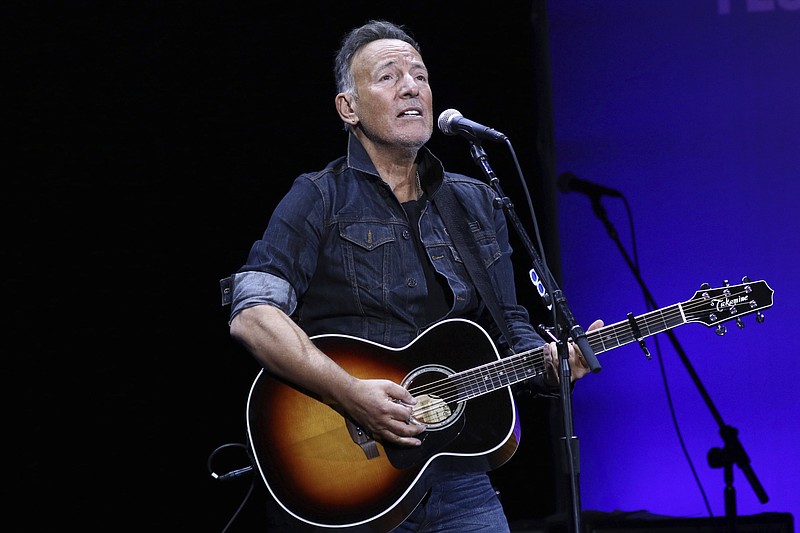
789	5
759	6
721	305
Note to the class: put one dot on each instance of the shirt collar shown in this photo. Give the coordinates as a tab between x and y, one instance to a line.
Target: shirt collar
430	168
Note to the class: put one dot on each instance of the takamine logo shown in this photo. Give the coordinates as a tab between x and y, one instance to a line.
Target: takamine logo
726	7
727	303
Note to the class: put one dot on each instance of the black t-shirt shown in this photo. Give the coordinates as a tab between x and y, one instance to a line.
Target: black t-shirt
439	295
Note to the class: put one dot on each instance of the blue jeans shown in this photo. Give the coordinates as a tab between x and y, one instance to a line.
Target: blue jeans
458	503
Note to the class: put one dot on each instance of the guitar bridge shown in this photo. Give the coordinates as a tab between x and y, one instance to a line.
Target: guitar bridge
364	441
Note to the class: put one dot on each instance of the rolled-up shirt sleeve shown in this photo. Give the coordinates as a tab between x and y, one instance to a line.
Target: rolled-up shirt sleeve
253	288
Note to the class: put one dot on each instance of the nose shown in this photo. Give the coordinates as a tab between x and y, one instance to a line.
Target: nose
409	85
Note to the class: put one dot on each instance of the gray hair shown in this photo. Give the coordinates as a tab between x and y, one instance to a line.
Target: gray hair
357	39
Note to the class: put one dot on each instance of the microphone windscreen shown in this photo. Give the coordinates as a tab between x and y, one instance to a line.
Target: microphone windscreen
564	181
444	121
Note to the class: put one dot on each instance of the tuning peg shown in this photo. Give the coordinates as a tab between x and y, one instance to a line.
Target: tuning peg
705	286
746	279
740	322
727	291
721	330
760	317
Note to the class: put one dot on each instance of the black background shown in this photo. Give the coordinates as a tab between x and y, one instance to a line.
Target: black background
149	142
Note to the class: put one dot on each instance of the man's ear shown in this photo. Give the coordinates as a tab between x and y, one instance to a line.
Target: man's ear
345	108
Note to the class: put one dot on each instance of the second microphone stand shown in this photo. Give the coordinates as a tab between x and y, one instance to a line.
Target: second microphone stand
733	451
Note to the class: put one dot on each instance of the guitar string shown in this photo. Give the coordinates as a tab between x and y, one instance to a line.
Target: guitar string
665	316
514	363
470	383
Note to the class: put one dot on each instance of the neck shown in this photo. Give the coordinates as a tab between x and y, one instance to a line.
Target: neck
396	165
406	188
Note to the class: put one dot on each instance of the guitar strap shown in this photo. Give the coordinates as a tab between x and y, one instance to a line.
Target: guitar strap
457	223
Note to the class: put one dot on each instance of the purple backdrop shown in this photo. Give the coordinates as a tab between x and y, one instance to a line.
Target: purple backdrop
692	110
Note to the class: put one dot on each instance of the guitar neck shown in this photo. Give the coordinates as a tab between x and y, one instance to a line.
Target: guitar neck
707	306
519	367
636	328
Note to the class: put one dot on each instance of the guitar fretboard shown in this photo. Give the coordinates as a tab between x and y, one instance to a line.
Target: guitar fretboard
707	306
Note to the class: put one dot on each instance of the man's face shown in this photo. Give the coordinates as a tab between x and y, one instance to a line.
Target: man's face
394	100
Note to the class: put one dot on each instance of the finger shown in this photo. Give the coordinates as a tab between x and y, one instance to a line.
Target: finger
407	441
403	413
401	394
550	361
551	355
405	432
575	353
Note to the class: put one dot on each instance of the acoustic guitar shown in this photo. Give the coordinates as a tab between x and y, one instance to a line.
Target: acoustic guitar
329	474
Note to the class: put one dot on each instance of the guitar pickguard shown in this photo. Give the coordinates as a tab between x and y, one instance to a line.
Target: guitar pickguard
445	421
431	409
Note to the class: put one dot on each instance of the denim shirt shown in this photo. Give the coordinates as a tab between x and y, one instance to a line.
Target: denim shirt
338	256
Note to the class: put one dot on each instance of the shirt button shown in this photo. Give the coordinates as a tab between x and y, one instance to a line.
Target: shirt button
411	282
406	234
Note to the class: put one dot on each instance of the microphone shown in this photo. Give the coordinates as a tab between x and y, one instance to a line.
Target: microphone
569	182
451	122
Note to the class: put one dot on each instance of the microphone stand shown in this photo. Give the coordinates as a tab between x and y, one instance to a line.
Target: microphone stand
568	328
733	451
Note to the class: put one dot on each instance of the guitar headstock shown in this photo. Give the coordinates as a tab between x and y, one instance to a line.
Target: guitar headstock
714	306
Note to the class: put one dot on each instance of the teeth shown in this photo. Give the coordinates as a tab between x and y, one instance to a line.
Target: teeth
415	113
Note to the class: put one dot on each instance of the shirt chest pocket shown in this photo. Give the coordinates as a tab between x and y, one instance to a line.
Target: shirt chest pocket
367	253
485	244
489	248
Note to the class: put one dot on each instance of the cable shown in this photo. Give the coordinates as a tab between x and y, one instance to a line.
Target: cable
233	474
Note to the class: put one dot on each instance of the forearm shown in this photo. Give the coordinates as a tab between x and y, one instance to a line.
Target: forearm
284	350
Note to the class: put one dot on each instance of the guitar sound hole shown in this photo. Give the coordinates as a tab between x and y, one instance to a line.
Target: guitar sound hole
436	395
431	409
